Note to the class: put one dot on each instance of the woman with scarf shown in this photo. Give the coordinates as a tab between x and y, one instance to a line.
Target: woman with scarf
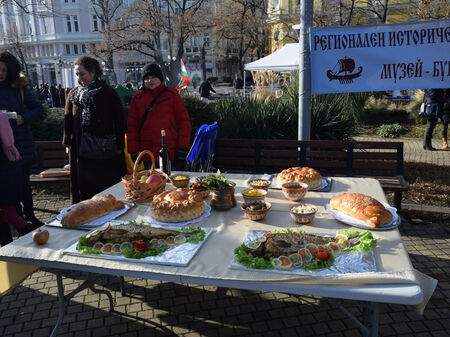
93	132
17	98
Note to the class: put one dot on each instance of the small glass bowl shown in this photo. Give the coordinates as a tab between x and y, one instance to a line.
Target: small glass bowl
304	218
294	191
184	182
249	198
256	215
259	183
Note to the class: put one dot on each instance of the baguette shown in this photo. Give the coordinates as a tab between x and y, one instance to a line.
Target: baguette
91	209
362	207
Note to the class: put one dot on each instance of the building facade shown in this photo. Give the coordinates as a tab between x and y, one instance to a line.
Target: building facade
51	34
48	35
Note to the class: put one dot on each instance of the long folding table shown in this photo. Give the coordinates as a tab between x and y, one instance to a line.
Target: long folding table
395	280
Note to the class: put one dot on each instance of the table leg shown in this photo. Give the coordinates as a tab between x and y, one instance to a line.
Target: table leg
370	317
61	305
63	299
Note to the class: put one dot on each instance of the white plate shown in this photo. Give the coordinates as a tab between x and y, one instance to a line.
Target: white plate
94	223
179	255
349	220
148	215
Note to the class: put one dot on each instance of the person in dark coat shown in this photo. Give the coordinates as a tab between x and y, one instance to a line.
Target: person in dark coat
10	183
93	108
55	96
445	118
16	95
434	99
61	95
206	88
239	84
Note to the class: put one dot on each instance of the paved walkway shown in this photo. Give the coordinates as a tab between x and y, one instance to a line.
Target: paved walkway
154	308
413	150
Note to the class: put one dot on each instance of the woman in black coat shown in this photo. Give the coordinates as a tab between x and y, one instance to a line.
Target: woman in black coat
16	95
434	99
93	112
10	183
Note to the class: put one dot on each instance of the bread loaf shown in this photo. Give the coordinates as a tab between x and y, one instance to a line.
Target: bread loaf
91	209
362	207
305	175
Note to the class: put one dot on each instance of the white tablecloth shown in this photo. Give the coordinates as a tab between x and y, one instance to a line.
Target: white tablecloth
212	263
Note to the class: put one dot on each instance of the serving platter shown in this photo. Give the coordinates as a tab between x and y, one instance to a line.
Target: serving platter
351	221
206	213
179	255
351	262
56	222
324	187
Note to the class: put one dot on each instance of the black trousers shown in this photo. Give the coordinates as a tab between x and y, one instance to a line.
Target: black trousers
26	197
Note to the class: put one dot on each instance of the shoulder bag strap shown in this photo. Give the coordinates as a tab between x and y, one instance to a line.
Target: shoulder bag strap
148	110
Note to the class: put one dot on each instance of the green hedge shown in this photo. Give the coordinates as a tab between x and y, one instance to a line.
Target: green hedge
333	116
50	126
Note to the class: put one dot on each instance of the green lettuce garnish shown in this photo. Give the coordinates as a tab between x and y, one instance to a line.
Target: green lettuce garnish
365	244
198	237
250	261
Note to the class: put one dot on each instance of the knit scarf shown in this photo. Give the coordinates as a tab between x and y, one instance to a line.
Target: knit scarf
84	97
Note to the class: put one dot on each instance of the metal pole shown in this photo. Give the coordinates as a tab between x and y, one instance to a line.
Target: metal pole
304	97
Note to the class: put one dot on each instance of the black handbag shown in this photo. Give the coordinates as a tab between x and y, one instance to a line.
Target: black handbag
98	148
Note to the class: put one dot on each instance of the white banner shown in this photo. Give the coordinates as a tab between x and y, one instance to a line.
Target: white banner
413	55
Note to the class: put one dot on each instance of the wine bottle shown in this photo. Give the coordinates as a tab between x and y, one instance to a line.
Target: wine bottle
164	155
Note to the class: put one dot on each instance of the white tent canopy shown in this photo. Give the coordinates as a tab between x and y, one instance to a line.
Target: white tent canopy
283	59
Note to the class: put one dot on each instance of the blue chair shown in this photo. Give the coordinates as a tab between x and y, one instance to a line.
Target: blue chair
200	156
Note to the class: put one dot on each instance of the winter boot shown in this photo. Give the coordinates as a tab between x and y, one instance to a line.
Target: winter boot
444	143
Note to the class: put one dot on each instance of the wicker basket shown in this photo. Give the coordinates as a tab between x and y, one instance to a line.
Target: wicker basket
141	192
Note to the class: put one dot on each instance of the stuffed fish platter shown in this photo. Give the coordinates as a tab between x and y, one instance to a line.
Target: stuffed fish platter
137	241
290	249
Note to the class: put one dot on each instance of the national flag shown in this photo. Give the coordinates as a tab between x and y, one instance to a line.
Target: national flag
184	81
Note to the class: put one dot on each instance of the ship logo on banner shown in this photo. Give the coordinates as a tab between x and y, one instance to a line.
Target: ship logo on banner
344	75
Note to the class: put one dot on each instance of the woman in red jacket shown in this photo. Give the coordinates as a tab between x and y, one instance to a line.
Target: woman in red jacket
166	113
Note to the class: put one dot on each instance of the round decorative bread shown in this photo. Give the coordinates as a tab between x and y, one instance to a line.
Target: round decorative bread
305	175
177	206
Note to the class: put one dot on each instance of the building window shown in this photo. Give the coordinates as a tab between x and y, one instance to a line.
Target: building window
68	49
75	49
68	1
83	48
97	23
44	25
72	23
193	41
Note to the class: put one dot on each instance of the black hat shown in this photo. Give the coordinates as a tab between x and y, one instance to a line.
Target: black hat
154	70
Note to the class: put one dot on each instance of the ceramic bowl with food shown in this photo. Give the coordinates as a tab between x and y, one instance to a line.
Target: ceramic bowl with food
253	194
256	210
294	191
259	183
180	180
303	213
